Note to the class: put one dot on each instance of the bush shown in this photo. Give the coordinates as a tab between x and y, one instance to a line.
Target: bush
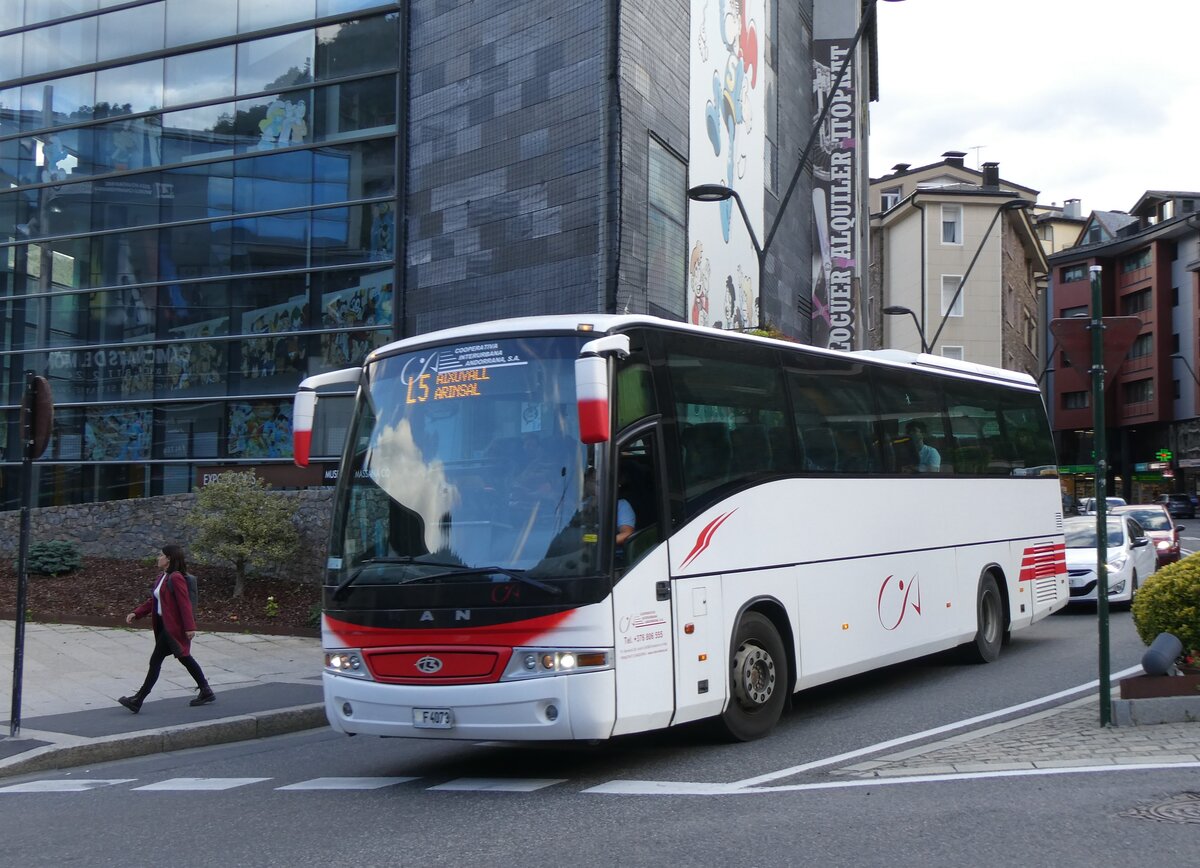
239	522
53	558
1169	602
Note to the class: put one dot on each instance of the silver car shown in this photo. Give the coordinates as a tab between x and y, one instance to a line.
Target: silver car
1130	558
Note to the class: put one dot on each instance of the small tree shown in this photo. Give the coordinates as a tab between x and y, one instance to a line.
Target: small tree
238	522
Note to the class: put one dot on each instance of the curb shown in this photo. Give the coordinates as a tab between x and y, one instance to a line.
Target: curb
1152	710
134	744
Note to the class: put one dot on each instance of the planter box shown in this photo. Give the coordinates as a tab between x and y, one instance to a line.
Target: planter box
1148	686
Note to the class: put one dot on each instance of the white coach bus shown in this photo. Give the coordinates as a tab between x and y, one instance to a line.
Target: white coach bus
797	516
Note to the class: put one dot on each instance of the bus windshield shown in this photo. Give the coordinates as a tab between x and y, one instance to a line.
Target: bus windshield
467	467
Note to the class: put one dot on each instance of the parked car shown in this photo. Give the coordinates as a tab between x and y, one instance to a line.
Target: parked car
1087	506
1157	523
1179	505
1130	557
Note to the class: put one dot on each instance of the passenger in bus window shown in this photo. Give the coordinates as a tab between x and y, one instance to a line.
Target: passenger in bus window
926	459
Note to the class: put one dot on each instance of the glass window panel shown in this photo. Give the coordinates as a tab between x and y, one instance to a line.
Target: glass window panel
192	430
355	107
270	243
355	47
279	61
72	43
129	89
354	171
271	182
191	367
260	429
913	422
259	304
10	110
194	310
10	56
198	133
51	157
47	10
189	21
199	192
116	434
358	302
62	101
357	234
126	32
268	122
202	250
127	202
835	417
135	143
257	14
200	75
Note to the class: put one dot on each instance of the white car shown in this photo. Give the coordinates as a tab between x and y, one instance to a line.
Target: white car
1087	506
1131	558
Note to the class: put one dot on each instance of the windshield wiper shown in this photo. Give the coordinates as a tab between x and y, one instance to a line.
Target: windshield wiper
340	590
517	575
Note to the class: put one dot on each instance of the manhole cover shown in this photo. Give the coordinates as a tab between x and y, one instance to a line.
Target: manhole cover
1183	808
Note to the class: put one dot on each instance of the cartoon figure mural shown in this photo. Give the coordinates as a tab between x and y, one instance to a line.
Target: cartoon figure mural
727	96
699	274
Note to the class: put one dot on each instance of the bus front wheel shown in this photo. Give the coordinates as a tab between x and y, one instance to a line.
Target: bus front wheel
989	619
758	680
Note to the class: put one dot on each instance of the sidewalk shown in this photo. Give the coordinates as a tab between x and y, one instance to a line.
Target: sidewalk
267	685
72	676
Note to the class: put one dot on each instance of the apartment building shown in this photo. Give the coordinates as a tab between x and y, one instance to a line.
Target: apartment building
955	259
1150	269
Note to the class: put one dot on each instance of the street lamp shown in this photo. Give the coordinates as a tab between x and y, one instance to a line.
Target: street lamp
900	310
719	192
1011	205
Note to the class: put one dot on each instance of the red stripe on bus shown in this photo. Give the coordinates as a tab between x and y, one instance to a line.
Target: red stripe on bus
1044	561
704	540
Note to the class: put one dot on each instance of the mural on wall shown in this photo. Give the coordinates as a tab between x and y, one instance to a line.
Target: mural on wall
116	435
260	430
727	135
835	273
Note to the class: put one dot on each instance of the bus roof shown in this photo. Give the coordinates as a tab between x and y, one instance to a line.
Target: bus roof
602	324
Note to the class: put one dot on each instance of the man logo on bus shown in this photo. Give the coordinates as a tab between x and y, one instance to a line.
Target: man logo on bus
894	600
429	665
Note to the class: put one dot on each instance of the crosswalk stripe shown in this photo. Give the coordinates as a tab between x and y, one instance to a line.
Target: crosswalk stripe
346	784
498	785
210	784
64	786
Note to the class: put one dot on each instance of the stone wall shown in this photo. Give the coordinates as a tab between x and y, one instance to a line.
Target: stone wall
136	528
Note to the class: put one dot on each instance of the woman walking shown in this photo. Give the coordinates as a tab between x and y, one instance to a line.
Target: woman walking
174	627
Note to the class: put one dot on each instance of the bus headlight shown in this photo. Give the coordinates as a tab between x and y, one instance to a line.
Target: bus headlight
348	662
541	662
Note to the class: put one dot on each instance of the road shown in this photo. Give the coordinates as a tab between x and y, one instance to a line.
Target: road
318	797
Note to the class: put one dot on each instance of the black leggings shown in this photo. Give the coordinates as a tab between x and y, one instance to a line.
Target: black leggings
164	648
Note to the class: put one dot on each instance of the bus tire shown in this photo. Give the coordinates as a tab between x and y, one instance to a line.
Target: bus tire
989	621
758	680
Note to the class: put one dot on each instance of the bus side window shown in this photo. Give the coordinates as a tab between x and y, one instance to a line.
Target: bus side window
705	456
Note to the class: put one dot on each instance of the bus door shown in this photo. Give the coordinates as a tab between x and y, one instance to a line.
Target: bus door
642	587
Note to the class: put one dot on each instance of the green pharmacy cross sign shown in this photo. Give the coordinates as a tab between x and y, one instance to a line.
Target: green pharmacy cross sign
1163	455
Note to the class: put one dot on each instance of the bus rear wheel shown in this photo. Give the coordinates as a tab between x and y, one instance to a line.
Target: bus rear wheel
758	680
989	619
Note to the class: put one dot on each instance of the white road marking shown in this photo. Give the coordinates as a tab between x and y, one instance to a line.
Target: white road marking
64	786
498	785
670	788
929	733
196	784
346	784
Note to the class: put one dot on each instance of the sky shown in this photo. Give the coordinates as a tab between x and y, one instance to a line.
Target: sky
1096	100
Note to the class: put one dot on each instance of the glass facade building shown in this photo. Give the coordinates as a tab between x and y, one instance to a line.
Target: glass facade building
198	208
204	201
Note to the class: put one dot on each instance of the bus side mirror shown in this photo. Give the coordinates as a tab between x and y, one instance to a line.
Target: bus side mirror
592	387
303	409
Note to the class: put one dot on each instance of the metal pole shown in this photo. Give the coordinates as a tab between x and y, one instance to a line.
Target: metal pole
14	721
1100	442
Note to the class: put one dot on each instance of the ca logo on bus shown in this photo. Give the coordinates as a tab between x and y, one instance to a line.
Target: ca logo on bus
429	665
